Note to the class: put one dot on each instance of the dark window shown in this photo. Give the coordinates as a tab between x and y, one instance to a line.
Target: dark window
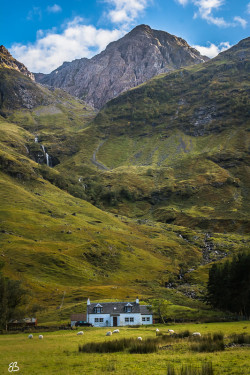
126	319
131	319
128	309
98	310
148	319
143	319
101	320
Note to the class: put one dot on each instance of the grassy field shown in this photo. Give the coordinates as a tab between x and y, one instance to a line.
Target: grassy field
58	352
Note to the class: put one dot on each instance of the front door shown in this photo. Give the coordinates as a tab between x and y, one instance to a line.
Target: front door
114	321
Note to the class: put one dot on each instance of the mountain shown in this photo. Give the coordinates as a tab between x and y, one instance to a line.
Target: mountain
139	199
126	63
176	149
8	61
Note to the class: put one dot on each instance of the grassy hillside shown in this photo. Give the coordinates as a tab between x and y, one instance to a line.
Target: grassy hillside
177	148
168	177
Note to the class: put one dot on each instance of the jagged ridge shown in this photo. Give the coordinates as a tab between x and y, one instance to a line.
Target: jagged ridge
126	63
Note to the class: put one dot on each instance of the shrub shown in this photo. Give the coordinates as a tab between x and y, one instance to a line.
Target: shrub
207	369
106	346
240	339
142	347
208	343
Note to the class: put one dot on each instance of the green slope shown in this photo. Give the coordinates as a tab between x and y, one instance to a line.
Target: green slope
177	148
169	200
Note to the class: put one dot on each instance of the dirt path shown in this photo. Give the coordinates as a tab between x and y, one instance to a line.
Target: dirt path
95	162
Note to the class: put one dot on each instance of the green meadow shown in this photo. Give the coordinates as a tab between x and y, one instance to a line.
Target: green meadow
58	352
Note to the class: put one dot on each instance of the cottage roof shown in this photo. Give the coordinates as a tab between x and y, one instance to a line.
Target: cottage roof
119	308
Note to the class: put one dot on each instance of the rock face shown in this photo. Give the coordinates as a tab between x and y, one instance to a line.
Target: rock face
126	63
8	61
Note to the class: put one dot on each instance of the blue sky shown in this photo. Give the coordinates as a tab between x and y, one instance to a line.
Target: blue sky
44	34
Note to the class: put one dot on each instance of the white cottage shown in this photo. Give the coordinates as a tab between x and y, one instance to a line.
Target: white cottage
116	314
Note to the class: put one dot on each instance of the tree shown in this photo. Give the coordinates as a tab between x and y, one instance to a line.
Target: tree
228	286
160	308
11	299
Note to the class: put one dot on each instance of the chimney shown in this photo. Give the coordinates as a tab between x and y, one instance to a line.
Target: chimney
137	300
88	302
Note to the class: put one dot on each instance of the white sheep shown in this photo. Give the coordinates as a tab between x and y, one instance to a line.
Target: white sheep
79	333
116	331
196	334
171	331
139	338
40	337
109	333
157	330
30	336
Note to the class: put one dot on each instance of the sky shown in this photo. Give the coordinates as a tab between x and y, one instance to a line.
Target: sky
43	34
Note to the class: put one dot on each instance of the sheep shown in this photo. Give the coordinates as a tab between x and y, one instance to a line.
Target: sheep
109	333
79	333
171	331
30	336
40	337
116	331
139	338
157	330
196	334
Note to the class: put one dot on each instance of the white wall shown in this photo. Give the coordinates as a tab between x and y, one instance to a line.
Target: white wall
150	321
105	317
137	319
108	320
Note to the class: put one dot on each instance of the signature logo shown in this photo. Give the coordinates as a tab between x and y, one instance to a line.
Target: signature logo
13	367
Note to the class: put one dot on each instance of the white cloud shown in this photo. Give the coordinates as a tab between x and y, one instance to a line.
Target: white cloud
182	2
241	21
54	8
212	50
206	9
126	11
51	49
35	12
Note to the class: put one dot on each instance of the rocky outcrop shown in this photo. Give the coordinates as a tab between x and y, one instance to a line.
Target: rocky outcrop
8	61
126	63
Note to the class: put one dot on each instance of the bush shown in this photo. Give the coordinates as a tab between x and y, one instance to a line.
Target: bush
207	369
106	346
208	343
240	339
142	347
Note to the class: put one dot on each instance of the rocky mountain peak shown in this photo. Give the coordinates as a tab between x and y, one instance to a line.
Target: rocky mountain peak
128	62
8	61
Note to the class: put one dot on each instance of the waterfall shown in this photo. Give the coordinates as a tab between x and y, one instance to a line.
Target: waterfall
47	159
43	148
36	139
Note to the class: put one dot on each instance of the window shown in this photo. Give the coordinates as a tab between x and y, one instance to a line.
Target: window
98	320
148	319
126	319
143	319
131	319
98	310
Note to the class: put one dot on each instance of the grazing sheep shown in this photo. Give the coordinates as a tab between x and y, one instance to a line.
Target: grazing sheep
109	333
40	337
116	331
196	334
157	330
30	336
171	331
139	338
79	333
